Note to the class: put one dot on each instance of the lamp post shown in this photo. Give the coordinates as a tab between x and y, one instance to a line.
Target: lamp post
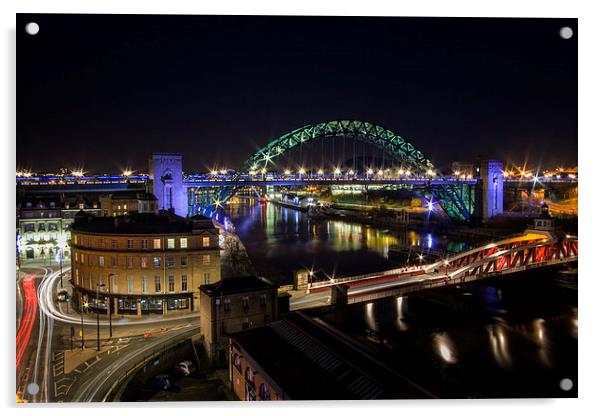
81	305
109	306
98	317
61	265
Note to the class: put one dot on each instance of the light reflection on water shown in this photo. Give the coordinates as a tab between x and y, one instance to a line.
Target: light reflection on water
289	241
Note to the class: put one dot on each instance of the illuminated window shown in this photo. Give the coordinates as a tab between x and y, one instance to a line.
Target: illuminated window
207	277
206	241
169	261
143	262
184	283
171	243
130	284
157	243
101	260
183	242
156	261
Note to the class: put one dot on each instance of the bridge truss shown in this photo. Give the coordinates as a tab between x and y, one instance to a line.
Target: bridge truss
457	200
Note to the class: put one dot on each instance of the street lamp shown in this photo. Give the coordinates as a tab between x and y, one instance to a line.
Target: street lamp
98	317
109	305
81	305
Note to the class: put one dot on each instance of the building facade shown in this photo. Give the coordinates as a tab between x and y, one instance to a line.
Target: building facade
44	226
231	305
143	263
124	203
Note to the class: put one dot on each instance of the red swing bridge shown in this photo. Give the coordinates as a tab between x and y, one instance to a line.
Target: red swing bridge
533	249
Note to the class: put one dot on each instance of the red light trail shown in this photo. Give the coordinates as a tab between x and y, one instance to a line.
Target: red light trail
29	317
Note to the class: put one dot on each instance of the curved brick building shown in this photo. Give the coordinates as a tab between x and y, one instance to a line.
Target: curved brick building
144	263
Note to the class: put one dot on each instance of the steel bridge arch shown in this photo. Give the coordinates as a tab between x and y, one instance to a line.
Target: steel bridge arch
391	143
457	202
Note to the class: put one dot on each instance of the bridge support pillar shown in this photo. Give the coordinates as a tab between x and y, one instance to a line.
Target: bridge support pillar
338	295
491	186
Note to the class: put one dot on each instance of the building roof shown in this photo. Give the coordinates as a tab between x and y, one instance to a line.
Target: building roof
142	196
308	363
140	223
240	284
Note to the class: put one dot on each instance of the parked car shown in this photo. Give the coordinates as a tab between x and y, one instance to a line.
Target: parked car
160	382
185	368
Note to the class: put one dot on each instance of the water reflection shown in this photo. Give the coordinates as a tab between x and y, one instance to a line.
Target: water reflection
445	348
499	345
369	316
399	322
287	240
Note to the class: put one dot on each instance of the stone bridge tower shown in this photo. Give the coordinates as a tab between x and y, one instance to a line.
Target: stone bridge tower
491	186
165	170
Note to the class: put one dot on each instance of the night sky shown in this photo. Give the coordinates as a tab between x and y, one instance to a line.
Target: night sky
106	91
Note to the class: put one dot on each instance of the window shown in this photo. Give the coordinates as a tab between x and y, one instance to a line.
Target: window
207	277
156	261
81	258
115	284
246	324
157	284
170	261
125	207
171	243
183	261
113	244
263	300
130	284
245	302
183	242
157	243
144	285
103	288
101	243
206	241
206	259
41	227
264	392
172	283
75	238
227	305
144	262
90	280
113	261
101	260
30	227
250	376
144	244
52	226
236	361
129	262
130	244
184	283
90	259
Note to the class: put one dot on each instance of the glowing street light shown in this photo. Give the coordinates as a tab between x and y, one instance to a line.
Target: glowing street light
457	173
380	172
337	171
287	172
408	172
320	172
263	171
351	172
302	171
127	172
430	172
370	171
223	171
400	171
214	172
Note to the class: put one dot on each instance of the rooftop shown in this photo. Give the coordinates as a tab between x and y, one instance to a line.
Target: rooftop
308	363
140	223
237	285
144	196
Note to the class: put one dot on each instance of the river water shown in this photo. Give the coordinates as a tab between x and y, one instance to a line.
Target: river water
281	241
511	337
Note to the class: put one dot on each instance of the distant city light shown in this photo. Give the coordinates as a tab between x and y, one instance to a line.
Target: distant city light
370	171
302	171
400	171
320	172
127	172
457	173
223	171
264	171
287	172
214	172
78	173
337	171
351	172
430	172
381	173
